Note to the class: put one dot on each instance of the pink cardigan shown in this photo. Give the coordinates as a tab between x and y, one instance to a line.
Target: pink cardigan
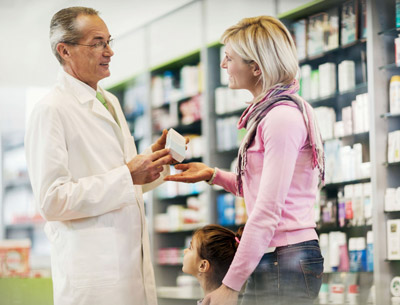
279	188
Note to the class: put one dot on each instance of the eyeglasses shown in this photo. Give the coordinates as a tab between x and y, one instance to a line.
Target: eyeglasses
96	45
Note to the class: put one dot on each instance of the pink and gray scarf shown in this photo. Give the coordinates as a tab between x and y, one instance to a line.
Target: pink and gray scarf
254	113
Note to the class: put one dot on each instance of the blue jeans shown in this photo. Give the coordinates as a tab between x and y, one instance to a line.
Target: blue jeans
291	275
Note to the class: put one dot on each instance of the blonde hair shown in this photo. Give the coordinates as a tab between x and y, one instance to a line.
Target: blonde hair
266	41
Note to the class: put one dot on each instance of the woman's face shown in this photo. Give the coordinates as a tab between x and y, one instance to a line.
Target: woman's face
191	259
241	74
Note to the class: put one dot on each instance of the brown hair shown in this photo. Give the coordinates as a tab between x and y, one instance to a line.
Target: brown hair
63	26
218	245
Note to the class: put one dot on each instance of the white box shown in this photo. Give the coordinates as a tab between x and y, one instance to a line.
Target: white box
327	79
347	76
177	145
347	120
390	199
305	73
393	239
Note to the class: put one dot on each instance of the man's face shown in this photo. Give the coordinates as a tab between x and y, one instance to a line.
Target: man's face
90	64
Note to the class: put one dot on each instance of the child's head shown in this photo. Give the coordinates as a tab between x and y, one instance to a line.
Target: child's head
211	253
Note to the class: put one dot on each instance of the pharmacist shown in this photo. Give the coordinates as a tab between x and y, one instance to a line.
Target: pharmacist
87	177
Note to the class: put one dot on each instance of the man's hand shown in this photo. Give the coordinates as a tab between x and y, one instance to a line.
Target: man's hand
147	168
162	140
221	296
160	143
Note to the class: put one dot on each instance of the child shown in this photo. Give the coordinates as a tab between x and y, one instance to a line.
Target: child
210	254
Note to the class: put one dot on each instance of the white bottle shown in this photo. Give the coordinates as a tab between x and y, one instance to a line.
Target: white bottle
395	93
397	51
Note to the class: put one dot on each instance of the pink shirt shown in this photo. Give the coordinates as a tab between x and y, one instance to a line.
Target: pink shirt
279	188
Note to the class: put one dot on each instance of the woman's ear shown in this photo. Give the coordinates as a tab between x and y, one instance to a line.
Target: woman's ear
256	69
204	266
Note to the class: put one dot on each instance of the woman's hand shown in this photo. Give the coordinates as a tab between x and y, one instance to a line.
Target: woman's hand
221	296
191	172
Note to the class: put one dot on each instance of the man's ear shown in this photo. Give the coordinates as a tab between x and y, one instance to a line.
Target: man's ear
204	266
256	69
63	50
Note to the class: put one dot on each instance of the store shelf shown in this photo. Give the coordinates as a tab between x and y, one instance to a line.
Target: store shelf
331	99
387	164
357	137
231	113
184	228
391	66
351	230
176	101
392	212
390	32
17	183
390	115
24	226
333	52
308	9
343	183
194	127
186	293
178	197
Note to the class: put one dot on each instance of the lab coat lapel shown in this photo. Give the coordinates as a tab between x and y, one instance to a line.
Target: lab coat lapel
128	143
101	111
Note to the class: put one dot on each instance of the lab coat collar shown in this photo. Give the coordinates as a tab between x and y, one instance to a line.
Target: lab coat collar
85	94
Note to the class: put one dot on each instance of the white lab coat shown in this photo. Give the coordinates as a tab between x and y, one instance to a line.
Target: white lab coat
77	155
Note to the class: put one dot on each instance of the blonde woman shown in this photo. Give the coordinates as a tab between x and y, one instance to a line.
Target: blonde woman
279	164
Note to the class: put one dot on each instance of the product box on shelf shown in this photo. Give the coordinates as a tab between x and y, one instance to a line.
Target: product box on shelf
393	239
394	146
347	75
226	209
305	81
327	79
392	199
299	33
326	118
394	94
349	29
14	257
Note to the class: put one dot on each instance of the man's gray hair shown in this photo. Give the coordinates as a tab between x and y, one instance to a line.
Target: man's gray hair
63	27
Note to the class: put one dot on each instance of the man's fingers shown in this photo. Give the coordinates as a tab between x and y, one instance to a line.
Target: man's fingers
163	160
164	135
159	153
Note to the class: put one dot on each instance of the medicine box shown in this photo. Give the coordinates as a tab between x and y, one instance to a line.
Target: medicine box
177	145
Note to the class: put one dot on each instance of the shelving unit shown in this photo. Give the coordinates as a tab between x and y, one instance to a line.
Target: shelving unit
388	175
356	51
378	65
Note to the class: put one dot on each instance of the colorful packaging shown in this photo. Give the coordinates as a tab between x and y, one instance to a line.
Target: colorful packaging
14	257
